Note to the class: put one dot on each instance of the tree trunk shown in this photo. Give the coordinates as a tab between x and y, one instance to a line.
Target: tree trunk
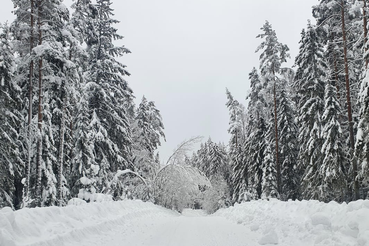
39	139
349	108
61	150
365	24
29	140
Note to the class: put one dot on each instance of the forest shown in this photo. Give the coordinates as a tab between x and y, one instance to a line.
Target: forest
69	126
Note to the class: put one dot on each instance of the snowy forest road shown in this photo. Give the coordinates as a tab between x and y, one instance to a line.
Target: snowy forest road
137	223
192	228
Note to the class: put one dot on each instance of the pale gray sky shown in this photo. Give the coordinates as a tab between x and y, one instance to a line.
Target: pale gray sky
186	52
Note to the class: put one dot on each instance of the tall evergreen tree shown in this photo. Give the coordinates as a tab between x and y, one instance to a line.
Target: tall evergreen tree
147	131
235	114
81	155
109	96
273	54
236	155
332	181
335	19
11	163
269	184
288	144
310	79
255	147
24	39
56	83
362	142
257	98
248	174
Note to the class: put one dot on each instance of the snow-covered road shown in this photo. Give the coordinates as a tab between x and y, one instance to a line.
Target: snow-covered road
135	223
193	228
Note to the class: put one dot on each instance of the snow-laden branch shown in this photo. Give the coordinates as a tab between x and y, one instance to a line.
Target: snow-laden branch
182	149
123	172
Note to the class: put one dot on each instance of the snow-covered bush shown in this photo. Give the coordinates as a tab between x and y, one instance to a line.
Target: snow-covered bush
89	193
178	187
118	187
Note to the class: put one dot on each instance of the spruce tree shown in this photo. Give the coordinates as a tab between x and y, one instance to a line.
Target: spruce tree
336	21
332	181
310	79
256	144
147	132
11	162
248	173
362	137
236	155
24	39
109	95
288	144
269	185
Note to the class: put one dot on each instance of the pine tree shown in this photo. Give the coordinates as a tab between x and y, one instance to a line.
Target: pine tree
348	101
24	39
43	25
271	58
335	19
57	78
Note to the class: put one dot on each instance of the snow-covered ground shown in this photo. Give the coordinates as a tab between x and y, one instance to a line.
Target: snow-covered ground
137	223
303	223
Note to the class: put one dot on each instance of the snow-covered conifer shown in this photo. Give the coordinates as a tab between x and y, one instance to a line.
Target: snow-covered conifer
288	146
11	163
109	95
310	79
273	55
332	180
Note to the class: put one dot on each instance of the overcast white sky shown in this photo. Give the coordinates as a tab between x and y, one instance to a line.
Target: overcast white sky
186	52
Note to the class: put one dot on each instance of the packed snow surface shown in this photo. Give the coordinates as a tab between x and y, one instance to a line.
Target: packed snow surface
138	223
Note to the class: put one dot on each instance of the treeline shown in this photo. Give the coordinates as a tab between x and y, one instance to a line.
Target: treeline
68	122
69	126
304	132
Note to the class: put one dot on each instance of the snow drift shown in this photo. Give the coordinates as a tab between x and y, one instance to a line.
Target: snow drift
62	225
303	222
273	222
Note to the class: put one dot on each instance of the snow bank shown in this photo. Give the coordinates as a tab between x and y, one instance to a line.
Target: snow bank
272	222
60	226
303	223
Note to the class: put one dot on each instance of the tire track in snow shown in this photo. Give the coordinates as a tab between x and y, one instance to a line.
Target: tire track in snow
178	231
